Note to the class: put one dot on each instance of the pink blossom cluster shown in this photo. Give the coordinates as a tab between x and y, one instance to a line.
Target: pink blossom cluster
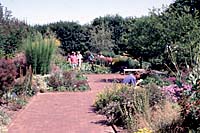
173	91
171	79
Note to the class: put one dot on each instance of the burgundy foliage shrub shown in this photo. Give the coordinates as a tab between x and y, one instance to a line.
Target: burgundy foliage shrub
7	75
20	62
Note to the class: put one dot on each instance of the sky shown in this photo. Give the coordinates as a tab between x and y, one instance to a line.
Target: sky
81	11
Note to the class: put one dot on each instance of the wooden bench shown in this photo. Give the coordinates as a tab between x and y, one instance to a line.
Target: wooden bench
133	70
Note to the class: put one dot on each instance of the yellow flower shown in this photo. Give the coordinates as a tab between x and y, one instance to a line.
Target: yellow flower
57	42
144	130
53	40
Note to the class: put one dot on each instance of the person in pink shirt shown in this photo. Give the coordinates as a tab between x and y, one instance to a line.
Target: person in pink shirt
74	60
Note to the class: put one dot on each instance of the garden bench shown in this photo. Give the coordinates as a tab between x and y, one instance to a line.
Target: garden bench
133	70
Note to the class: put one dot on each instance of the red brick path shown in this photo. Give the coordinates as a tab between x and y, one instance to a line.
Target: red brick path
67	112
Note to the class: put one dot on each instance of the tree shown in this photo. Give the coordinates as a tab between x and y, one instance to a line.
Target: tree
115	25
181	6
144	39
12	32
101	39
73	36
181	32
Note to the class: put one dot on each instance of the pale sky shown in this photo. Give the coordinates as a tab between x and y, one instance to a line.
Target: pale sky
81	11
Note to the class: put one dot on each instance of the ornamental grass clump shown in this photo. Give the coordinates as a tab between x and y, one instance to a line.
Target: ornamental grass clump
39	51
135	108
121	103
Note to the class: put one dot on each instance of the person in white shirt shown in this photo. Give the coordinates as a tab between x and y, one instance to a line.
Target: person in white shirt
79	57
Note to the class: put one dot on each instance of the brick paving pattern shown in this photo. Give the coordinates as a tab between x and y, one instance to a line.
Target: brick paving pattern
65	112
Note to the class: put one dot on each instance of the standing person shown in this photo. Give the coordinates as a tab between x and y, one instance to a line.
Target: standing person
132	79
74	60
79	57
101	59
91	57
91	60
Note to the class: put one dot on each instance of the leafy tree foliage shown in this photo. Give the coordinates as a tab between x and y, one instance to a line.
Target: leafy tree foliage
12	31
148	37
114	24
144	39
73	36
101	39
182	5
181	33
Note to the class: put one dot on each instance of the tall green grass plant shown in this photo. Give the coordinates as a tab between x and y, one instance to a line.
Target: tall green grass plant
39	52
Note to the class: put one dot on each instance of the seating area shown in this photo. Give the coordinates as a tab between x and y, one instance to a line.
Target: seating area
133	70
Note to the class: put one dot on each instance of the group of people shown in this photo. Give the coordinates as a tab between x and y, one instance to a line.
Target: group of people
75	59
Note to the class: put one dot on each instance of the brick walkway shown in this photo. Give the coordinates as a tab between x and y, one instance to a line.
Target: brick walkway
67	112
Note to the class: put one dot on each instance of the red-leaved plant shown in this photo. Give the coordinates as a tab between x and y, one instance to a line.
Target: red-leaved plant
7	75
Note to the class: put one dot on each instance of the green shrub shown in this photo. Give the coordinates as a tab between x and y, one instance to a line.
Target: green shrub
146	65
108	54
12	32
39	52
135	108
4	118
123	62
61	62
122	103
21	102
2	54
155	79
89	68
157	63
101	69
132	63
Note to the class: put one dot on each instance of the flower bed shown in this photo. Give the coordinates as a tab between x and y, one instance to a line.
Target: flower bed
174	92
136	108
67	81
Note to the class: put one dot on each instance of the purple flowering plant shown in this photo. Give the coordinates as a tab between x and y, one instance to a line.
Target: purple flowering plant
174	91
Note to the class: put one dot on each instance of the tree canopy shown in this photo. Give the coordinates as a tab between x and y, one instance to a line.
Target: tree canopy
147	37
12	32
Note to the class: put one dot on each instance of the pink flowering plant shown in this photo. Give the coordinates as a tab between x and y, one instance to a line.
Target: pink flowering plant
174	91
